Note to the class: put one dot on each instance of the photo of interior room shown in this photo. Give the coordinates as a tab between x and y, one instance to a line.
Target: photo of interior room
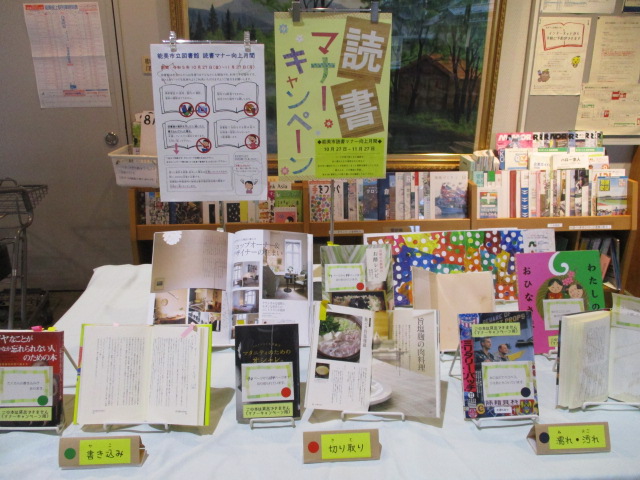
245	274
170	307
284	275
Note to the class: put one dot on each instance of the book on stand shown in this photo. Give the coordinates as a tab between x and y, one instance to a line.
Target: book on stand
267	371
144	374
31	379
498	365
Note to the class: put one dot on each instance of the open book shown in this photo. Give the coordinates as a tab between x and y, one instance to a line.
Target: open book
226	279
144	374
599	355
31	369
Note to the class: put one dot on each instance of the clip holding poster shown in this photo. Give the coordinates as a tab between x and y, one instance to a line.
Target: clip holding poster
341	446
558	439
92	452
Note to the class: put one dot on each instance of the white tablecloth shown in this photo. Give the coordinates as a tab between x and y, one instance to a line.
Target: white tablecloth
452	449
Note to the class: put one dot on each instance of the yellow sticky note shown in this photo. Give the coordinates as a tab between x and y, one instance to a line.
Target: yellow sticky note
104	451
346	445
323	310
553	341
577	437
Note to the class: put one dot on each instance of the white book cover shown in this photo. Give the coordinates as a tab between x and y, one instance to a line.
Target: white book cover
516	158
569	160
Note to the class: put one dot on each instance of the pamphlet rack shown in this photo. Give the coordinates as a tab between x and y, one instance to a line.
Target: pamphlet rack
285	421
16	214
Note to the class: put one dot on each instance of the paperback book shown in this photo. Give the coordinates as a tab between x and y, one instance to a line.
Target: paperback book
498	365
267	372
599	355
31	371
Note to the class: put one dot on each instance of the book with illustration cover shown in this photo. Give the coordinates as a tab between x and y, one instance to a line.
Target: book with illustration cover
291	199
267	372
448	194
498	365
319	200
549	283
31	379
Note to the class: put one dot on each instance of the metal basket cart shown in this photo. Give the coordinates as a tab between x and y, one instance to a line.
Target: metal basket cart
16	214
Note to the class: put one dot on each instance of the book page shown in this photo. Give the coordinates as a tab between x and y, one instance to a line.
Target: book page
587	368
111	387
176	371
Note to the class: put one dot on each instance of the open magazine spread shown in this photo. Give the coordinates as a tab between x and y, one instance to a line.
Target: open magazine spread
340	359
498	366
224	279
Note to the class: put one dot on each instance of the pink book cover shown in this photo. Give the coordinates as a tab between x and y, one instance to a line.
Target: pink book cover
557	275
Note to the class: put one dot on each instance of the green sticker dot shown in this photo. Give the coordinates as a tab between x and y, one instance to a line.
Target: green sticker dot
70	453
43	400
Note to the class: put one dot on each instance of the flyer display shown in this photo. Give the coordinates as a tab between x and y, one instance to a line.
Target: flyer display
209	103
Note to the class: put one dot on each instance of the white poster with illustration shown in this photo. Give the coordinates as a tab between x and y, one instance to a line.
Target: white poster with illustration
561	49
210	115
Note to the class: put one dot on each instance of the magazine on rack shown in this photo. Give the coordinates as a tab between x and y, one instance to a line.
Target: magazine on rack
498	365
225	279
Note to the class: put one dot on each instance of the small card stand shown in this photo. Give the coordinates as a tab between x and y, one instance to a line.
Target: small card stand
614	404
346	413
263	422
108	426
55	428
493	422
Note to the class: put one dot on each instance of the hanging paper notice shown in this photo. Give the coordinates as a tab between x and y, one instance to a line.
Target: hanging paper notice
209	105
332	87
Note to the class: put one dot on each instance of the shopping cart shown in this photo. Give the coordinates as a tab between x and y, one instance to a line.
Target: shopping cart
16	214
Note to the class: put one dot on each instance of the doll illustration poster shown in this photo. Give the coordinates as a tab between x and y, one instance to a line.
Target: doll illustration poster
332	95
209	102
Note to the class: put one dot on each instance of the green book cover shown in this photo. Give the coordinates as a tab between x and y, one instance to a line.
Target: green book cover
289	198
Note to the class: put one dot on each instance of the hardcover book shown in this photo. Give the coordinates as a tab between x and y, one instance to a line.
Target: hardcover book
572	275
144	374
267	371
31	371
498	365
448	194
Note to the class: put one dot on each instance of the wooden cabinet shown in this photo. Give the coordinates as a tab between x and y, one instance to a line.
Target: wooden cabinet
624	226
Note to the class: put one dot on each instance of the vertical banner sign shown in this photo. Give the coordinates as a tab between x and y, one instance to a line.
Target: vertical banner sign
209	102
332	87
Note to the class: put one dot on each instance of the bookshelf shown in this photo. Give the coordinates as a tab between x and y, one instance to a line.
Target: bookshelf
624	226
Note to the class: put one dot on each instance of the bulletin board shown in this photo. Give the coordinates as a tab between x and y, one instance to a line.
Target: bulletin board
558	112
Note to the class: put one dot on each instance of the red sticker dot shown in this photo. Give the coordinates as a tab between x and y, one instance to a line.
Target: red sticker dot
313	447
286	392
360	286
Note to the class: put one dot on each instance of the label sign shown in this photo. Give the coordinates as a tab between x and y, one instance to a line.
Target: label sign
104	451
557	439
341	445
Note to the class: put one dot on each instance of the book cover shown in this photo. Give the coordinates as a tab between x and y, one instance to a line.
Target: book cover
449	194
384	198
156	211
31	379
370	199
267	372
285	214
487	202
498	365
611	196
319	200
289	198
359	276
556	276
182	213
507	140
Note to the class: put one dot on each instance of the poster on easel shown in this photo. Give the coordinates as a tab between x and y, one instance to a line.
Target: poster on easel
210	114
332	94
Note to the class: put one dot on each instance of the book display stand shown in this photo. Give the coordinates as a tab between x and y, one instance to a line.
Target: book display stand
504	421
345	414
264	422
614	404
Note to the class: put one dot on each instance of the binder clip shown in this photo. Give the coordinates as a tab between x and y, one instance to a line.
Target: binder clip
375	12
247	41
295	11
172	41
